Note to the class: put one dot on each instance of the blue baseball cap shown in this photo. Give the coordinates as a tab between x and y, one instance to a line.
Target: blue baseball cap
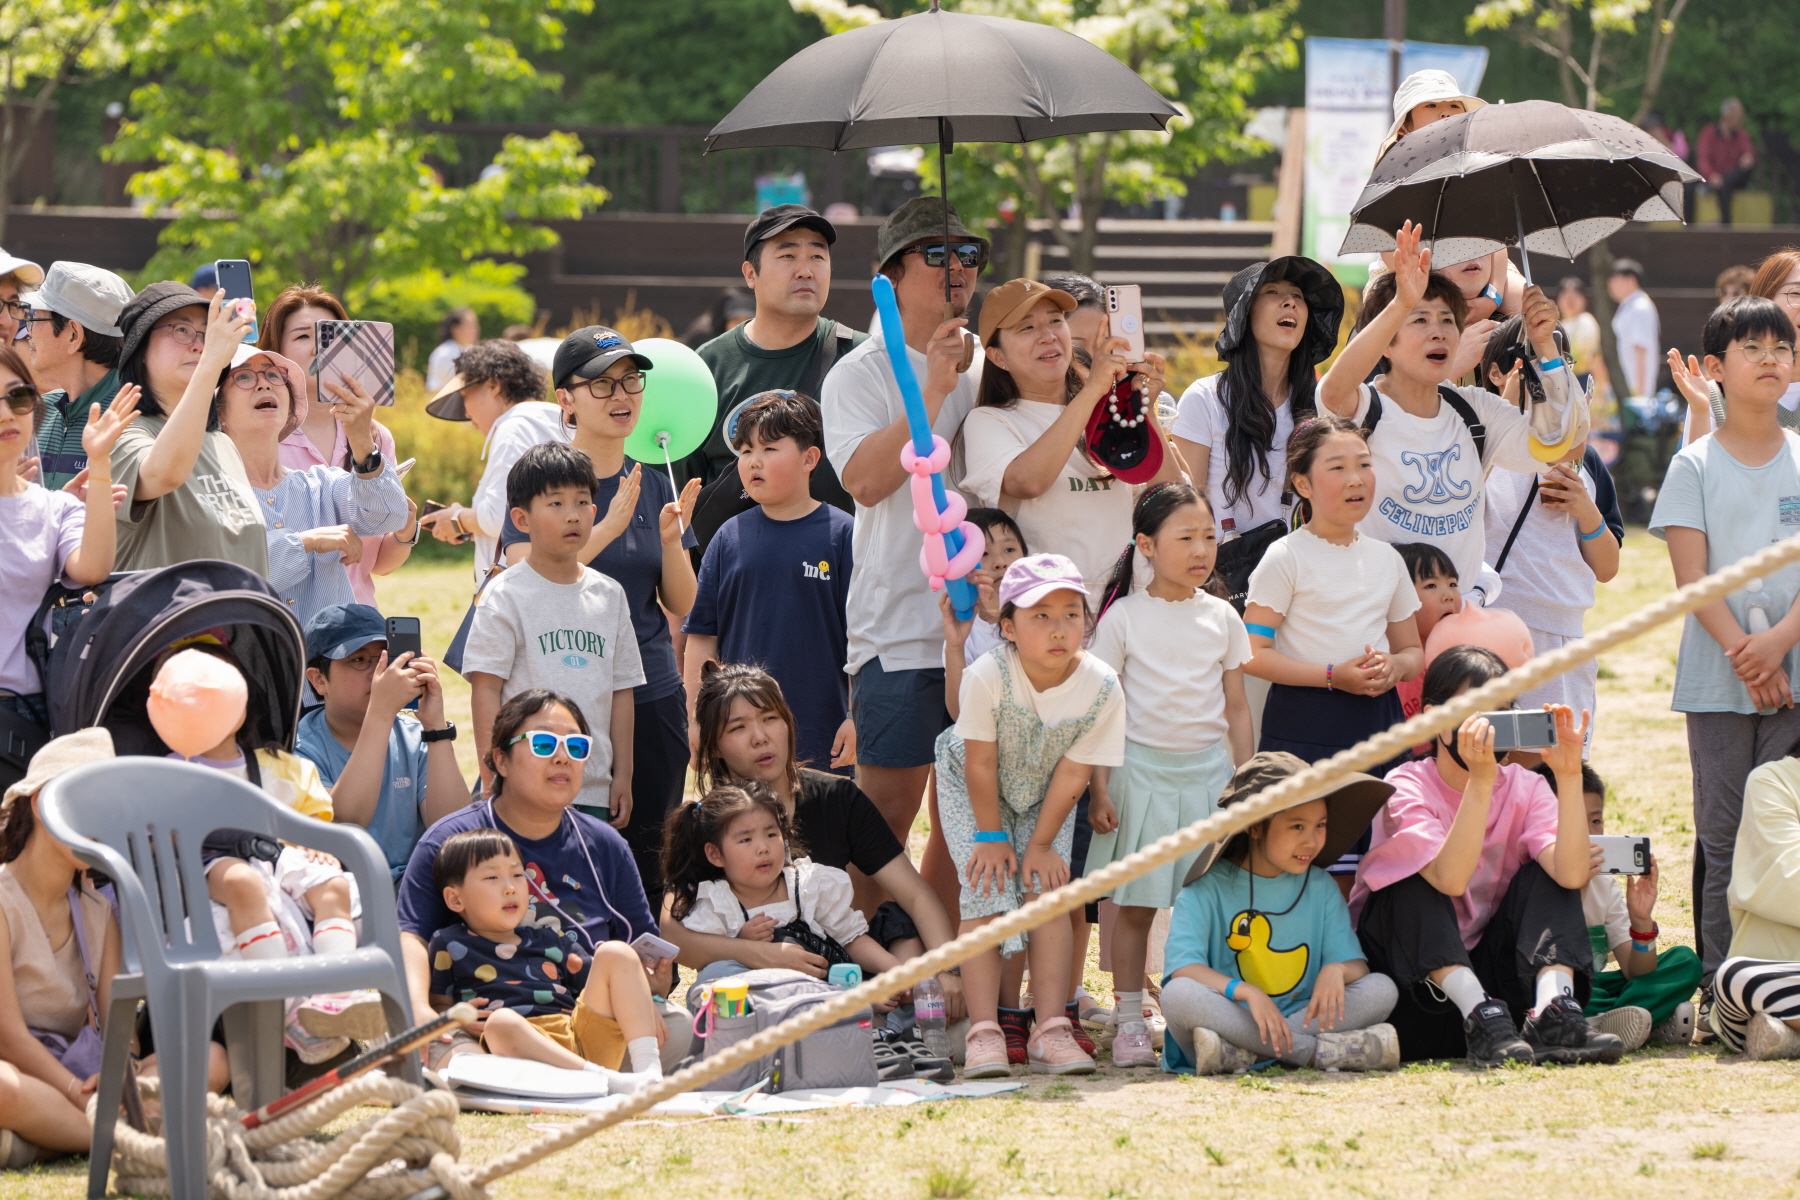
342	629
205	275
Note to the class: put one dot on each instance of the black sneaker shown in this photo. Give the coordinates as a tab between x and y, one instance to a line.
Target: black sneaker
1560	1034
891	1059
926	1065
1492	1037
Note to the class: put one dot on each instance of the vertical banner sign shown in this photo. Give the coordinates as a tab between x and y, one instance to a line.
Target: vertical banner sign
1347	116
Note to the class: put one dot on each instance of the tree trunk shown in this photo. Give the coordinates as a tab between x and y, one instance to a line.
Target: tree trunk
1662	37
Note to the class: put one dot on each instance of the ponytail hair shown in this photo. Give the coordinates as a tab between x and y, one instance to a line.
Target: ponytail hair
1152	510
690	828
1303	446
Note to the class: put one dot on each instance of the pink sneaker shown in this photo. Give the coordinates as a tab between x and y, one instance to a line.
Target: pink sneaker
1131	1048
1054	1051
984	1052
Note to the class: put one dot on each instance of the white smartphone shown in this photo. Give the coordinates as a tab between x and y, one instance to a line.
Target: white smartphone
1125	317
653	949
401	470
1623	854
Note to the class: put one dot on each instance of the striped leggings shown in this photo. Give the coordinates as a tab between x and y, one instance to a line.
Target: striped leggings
1747	986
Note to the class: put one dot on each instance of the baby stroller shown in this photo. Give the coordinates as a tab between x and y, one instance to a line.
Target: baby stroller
98	671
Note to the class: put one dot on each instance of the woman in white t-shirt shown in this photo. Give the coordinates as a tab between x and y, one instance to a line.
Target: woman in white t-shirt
1429	481
1330	609
1024	446
1281	321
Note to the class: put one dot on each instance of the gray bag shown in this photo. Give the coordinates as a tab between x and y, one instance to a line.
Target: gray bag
840	1055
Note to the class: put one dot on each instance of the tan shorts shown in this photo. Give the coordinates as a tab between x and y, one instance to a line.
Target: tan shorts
585	1032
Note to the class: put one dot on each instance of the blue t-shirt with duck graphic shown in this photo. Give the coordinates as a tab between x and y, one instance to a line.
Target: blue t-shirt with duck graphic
1297	925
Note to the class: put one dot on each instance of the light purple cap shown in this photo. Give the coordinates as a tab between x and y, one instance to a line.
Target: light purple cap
1029	580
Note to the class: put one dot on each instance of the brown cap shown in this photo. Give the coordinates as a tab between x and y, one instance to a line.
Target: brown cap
1011	300
1349	807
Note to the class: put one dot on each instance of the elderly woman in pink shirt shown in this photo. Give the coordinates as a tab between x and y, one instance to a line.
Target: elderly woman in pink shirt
1469	897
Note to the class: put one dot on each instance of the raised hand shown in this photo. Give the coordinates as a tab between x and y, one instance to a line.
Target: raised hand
1412	266
103	428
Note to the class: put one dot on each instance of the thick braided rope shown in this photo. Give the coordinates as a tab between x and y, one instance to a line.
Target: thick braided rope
1289	792
408	1149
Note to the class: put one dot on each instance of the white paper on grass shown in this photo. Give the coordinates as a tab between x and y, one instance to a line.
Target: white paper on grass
522	1077
901	1092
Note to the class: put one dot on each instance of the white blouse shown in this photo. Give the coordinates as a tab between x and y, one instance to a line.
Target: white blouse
825	899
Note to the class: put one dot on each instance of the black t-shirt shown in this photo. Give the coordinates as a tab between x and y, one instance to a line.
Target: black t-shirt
841	827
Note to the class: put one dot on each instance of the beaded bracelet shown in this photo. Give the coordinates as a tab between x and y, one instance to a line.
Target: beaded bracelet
1328	667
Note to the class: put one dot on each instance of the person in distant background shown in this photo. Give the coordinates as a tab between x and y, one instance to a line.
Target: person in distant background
732	308
1733	281
1727	155
459	330
1636	328
16	274
1674	139
1583	330
205	281
517	333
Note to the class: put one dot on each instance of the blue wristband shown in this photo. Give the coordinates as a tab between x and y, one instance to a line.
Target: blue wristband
1260	630
1588	537
1231	989
1490	292
991	835
1551	364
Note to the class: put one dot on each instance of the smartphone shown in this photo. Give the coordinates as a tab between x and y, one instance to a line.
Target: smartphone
653	949
1125	317
363	349
401	470
234	281
1526	729
403	638
1623	854
432	506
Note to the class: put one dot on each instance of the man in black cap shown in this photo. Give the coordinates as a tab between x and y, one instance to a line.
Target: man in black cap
786	346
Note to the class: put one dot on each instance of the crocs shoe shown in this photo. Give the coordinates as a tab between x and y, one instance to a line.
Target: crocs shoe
1376	1048
1131	1047
356	1015
1016	1024
1054	1050
1213	1055
985	1052
1629	1023
312	1049
1679	1028
1766	1039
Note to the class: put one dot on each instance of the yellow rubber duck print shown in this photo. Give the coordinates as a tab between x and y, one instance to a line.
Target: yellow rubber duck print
1276	972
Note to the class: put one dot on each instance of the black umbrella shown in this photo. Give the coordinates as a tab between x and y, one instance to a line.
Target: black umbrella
936	76
1538	175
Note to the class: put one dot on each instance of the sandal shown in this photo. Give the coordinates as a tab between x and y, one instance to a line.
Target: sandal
1054	1051
984	1052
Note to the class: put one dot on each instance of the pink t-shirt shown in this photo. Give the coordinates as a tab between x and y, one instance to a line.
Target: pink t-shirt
298	453
1411	828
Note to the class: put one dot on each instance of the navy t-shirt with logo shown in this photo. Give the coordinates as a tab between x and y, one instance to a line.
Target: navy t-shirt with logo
773	593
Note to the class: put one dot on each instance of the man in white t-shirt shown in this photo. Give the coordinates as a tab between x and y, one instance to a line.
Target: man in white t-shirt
1636	328
896	640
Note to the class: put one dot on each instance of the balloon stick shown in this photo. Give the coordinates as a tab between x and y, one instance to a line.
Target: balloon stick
662	439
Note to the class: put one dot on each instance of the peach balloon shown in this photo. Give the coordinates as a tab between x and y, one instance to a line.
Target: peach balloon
196	702
1496	629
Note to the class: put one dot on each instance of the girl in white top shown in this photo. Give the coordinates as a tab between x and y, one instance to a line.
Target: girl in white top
725	865
1428	483
1180	653
1024	446
1281	320
1330	610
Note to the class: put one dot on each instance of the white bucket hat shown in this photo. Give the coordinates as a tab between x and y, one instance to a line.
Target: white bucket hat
1423	87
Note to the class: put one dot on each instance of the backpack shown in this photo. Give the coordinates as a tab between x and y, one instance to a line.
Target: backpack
1450	396
840	1055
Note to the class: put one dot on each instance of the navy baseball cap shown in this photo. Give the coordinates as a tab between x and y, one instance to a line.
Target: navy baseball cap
340	630
589	351
205	275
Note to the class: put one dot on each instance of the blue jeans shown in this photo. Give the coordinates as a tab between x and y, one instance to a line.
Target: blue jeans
32	707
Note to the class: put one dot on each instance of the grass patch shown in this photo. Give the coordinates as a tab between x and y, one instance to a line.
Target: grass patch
949	1182
1712	1150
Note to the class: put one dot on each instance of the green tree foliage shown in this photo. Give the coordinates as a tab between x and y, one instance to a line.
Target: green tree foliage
416	303
1616	44
289	132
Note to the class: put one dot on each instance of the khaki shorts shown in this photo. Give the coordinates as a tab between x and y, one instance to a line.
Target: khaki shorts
586	1033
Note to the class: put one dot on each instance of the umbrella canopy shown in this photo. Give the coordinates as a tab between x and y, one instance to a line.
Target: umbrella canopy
988	79
1561	178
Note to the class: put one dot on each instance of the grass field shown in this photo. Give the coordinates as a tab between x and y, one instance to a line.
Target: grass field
1668	1123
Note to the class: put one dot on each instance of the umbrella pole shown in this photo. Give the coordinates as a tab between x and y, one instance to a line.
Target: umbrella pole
1524	254
944	195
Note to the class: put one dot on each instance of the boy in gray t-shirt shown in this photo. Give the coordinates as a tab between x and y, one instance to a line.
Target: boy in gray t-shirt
551	622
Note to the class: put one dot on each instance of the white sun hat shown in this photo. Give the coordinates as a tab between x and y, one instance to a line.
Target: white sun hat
1423	87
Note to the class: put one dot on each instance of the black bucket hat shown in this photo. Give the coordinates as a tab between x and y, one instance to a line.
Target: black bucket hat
150	306
1324	305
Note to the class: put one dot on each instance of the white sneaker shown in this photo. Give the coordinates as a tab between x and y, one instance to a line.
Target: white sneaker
1376	1048
1213	1055
1768	1039
1629	1023
1679	1028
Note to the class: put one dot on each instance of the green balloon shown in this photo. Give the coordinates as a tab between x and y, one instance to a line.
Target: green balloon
681	402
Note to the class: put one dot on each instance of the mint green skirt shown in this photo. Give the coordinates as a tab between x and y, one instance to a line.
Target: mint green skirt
1158	792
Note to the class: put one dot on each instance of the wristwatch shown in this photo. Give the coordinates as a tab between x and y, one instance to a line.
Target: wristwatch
369	465
446	734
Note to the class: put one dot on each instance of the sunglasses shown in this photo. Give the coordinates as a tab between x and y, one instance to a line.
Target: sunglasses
21	399
543	745
938	253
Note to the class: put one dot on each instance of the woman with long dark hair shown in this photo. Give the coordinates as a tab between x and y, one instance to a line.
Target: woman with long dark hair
1281	321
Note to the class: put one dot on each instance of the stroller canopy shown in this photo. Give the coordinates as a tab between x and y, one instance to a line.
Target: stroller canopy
101	670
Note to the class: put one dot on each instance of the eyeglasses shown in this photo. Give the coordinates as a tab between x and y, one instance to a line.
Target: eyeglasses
603	388
15	308
247	378
1789	294
22	399
362	664
937	253
25	324
543	745
1781	352
183	333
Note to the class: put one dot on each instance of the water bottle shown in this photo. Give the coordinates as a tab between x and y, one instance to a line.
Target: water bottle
1756	614
928	1014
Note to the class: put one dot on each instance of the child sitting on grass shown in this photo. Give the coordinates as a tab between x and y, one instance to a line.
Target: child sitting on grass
541	997
1650	997
1285	979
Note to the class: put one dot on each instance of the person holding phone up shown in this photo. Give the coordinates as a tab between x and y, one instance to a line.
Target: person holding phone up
317	517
